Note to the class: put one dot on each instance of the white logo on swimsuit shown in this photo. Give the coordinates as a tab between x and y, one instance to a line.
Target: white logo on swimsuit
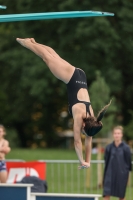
81	82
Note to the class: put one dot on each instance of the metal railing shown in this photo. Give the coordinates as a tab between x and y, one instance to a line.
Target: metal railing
63	176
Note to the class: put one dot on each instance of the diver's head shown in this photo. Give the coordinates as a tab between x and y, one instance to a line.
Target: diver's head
92	125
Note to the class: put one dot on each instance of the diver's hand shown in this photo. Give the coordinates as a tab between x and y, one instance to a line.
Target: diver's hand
84	165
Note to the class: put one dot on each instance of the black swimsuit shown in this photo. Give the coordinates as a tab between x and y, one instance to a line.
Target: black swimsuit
77	81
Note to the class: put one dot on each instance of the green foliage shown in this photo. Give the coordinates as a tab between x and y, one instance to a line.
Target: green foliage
99	92
100	96
128	129
12	137
31	99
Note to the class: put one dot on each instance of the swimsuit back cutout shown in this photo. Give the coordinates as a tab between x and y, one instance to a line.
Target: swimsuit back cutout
77	81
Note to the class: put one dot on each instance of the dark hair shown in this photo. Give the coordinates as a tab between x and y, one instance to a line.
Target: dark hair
92	124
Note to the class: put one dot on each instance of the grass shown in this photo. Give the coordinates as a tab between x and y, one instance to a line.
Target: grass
64	178
42	154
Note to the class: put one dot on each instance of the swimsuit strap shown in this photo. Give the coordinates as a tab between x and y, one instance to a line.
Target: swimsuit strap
87	104
88	109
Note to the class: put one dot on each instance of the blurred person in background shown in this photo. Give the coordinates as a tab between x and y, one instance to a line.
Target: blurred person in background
117	166
4	149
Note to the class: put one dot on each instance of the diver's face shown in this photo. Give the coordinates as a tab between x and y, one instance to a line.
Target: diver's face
83	131
83	125
82	128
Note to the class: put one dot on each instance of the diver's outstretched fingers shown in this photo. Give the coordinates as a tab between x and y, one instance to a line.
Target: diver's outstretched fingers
83	167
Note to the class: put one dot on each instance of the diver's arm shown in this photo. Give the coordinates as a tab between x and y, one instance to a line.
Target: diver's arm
88	147
78	143
77	139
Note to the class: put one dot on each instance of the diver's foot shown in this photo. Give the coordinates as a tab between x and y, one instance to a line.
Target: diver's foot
32	40
24	42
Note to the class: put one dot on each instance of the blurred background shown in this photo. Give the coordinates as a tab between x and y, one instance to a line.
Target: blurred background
33	103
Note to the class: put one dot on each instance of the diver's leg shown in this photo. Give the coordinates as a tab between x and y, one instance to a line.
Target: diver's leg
60	69
49	49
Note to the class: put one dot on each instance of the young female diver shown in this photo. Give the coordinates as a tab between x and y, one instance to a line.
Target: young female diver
78	97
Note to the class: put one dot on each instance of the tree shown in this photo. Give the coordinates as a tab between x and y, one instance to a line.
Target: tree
100	96
31	98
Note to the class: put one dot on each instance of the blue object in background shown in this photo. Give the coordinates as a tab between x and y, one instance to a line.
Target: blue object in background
15	191
12	193
23	192
64	198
